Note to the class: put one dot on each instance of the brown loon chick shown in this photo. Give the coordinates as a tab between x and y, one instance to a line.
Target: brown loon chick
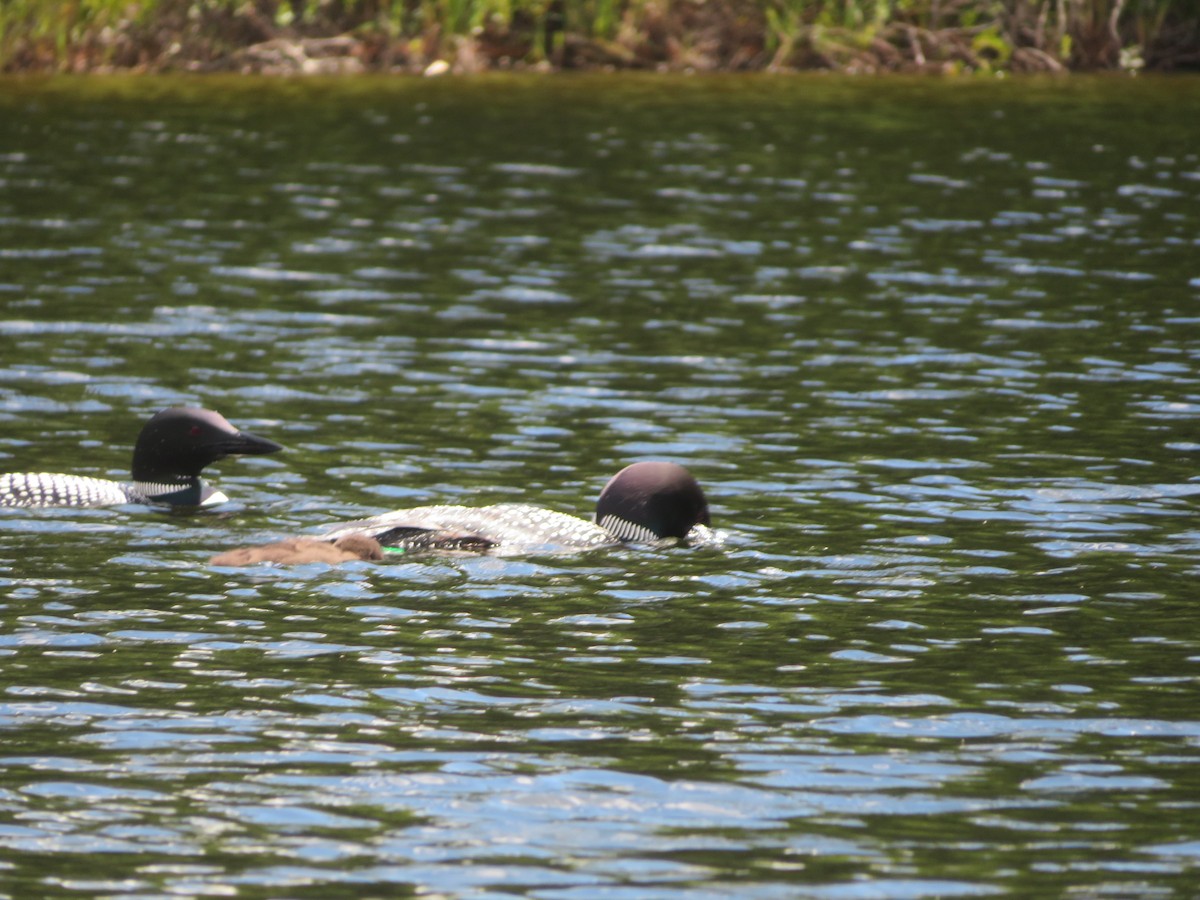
297	551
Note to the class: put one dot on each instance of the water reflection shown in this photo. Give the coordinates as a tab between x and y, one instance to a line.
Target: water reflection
939	385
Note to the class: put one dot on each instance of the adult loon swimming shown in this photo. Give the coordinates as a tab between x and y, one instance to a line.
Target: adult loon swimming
171	450
644	502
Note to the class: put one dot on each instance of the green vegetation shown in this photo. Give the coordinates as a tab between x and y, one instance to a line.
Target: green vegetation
472	35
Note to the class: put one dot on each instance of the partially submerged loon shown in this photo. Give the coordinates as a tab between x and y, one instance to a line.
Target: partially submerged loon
645	502
171	450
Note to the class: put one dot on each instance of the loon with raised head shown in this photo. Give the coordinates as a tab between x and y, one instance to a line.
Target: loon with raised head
171	450
645	502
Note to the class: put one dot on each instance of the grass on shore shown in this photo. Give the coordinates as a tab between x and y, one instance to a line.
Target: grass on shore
472	35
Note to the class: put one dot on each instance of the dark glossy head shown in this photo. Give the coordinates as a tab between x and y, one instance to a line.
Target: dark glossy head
650	500
180	441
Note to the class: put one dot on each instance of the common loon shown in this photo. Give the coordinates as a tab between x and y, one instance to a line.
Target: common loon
644	502
170	451
295	551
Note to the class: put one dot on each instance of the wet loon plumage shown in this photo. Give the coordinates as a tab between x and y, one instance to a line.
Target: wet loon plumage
297	551
645	502
171	450
511	527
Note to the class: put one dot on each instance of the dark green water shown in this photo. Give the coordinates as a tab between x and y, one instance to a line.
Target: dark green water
931	347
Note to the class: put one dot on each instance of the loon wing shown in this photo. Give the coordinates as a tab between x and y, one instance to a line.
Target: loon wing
423	527
415	538
503	528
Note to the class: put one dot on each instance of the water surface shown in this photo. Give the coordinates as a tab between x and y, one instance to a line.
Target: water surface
930	346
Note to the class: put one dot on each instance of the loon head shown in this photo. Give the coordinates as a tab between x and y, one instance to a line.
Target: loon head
178	442
648	501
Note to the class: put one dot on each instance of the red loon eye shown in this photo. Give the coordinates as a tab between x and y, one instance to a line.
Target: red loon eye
195	432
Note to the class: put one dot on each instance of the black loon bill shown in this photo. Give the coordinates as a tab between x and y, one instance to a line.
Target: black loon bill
246	444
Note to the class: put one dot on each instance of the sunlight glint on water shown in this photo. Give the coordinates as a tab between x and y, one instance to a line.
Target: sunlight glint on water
930	347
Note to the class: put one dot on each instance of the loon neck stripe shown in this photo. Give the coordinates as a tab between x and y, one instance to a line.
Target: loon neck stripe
624	530
192	492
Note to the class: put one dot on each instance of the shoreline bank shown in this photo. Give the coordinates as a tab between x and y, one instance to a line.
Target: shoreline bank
301	37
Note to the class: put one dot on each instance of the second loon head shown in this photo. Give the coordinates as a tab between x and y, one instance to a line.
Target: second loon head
181	440
649	501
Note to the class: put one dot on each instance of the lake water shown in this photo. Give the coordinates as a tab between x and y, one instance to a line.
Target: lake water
932	347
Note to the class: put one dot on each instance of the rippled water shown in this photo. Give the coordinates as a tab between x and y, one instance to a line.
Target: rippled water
930	346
